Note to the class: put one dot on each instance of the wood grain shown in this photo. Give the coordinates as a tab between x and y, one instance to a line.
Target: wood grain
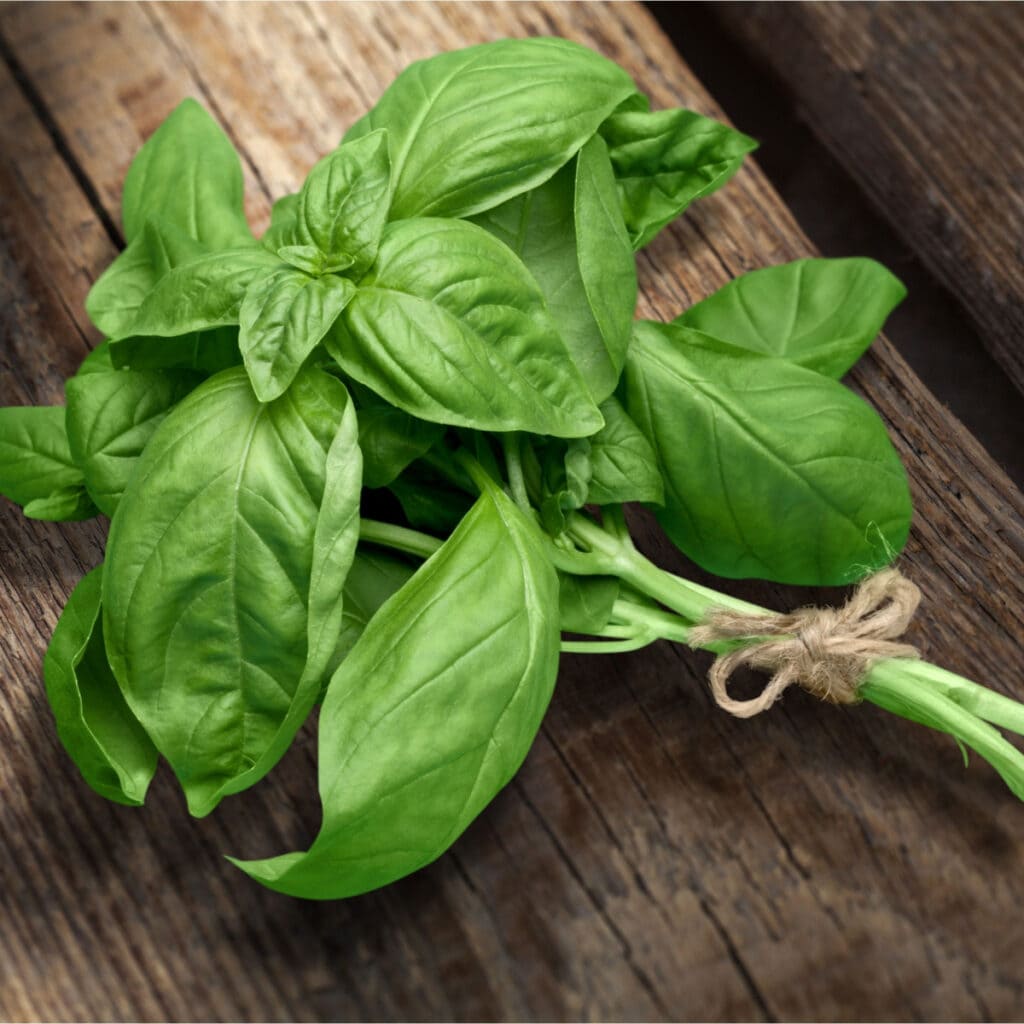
653	859
921	103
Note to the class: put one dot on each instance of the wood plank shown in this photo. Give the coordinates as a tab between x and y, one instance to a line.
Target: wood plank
653	859
921	104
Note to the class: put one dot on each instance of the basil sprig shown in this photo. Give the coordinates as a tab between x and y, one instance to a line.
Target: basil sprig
439	326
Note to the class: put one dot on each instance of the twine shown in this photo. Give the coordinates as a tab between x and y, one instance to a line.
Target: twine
827	651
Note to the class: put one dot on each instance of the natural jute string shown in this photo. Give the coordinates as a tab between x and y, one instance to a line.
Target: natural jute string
827	651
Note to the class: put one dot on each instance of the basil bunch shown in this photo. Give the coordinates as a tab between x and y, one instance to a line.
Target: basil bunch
438	325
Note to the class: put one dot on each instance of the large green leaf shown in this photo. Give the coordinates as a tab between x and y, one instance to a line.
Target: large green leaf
471	128
225	567
570	235
95	725
770	470
111	415
284	316
188	175
433	710
820	313
37	469
665	160
450	326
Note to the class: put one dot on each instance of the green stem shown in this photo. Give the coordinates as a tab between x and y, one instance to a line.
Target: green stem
512	446
387	535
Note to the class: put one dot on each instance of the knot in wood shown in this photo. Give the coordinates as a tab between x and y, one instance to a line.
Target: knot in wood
827	651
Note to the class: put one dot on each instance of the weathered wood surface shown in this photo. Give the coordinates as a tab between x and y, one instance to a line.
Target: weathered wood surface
922	105
654	858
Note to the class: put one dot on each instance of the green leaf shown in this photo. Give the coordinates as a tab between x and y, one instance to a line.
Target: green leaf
564	479
95	725
37	470
424	723
343	205
375	575
450	326
622	461
585	602
818	313
189	176
283	317
389	438
770	470
472	128
112	414
570	235
665	160
206	352
225	567
283	215
200	295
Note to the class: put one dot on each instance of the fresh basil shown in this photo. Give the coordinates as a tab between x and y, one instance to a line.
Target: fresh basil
817	313
408	762
225	565
770	470
623	465
666	160
449	326
472	128
95	725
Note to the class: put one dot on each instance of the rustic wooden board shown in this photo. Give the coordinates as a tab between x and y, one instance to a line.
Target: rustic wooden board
654	858
922	105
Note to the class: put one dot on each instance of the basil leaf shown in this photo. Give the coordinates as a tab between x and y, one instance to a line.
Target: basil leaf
472	128
818	313
665	160
200	295
622	462
770	470
206	352
570	235
429	501
283	317
189	175
585	602
99	732
389	438
283	215
343	205
449	326
565	479
37	470
423	724
225	566
111	415
375	575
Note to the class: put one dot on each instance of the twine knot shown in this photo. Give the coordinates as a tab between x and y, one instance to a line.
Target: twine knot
827	651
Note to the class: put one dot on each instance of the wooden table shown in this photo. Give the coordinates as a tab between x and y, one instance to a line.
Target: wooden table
654	858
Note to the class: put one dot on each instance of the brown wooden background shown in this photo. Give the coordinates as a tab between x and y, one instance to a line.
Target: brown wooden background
654	858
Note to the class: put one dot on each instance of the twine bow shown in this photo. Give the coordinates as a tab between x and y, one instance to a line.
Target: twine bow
827	651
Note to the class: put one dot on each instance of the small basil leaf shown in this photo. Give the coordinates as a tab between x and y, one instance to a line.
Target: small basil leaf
429	501
225	566
771	470
189	175
283	317
343	204
585	602
36	462
111	415
423	724
310	260
390	439
623	464
70	504
204	351
375	575
665	160
200	295
565	479
95	725
818	313
570	235
450	326
472	128
283	215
